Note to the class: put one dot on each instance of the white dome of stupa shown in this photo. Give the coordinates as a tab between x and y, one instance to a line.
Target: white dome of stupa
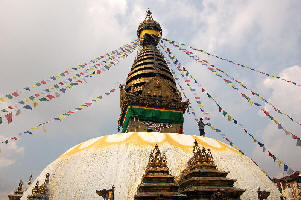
121	159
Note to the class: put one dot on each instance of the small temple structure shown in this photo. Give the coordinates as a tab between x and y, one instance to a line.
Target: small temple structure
151	158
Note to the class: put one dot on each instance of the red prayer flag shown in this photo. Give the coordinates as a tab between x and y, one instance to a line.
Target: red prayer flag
79	81
15	94
10	107
270	154
37	95
98	71
220	109
70	112
97	64
210	68
61	83
50	96
207	118
197	97
14	138
88	104
43	82
294	136
203	90
187	81
9	117
82	73
66	72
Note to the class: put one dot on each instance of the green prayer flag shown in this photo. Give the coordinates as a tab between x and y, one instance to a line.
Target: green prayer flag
73	84
43	99
38	84
62	74
9	96
31	97
209	96
56	86
298	142
0	120
3	110
78	75
224	113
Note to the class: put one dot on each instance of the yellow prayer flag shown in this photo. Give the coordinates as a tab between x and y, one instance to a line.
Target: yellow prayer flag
215	72
27	100
229	118
35	104
236	147
276	122
52	87
201	105
279	163
255	140
81	106
2	99
67	86
74	77
250	102
35	127
33	86
62	116
78	67
58	76
212	127
44	129
97	99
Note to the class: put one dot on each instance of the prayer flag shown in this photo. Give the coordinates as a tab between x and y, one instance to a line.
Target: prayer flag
43	99
35	104
15	94
21	102
2	99
43	82
50	96
224	113
62	116
9	96
31	98
28	132
285	167
219	109
279	126
207	118
260	144
18	112
229	118
294	136
298	142
88	104
28	107
63	90
0	120
217	130
37	95
9	117
203	90
235	122
279	163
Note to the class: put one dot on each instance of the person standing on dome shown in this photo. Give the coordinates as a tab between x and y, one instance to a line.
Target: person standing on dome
201	127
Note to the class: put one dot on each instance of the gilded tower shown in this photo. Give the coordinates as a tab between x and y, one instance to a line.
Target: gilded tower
150	100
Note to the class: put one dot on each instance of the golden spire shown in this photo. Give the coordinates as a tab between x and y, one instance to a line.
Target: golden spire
150	82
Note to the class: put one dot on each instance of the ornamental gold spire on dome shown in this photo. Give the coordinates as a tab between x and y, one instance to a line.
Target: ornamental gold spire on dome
151	86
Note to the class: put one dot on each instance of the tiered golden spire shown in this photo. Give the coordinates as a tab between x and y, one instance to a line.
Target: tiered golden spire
150	82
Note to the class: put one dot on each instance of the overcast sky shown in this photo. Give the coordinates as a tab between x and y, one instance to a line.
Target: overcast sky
42	38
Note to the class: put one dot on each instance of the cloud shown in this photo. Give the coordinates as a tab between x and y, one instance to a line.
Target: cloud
287	98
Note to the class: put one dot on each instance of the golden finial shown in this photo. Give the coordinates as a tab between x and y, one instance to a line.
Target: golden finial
148	13
29	180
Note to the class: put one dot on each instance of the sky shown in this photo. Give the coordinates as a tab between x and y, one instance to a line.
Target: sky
42	38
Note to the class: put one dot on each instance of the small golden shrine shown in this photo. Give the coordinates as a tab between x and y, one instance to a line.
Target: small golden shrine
202	180
157	182
150	100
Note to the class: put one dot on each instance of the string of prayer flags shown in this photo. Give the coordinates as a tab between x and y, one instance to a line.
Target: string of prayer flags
230	61
62	86
59	117
224	112
213	68
125	48
234	87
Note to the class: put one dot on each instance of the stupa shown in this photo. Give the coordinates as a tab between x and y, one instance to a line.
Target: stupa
151	158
